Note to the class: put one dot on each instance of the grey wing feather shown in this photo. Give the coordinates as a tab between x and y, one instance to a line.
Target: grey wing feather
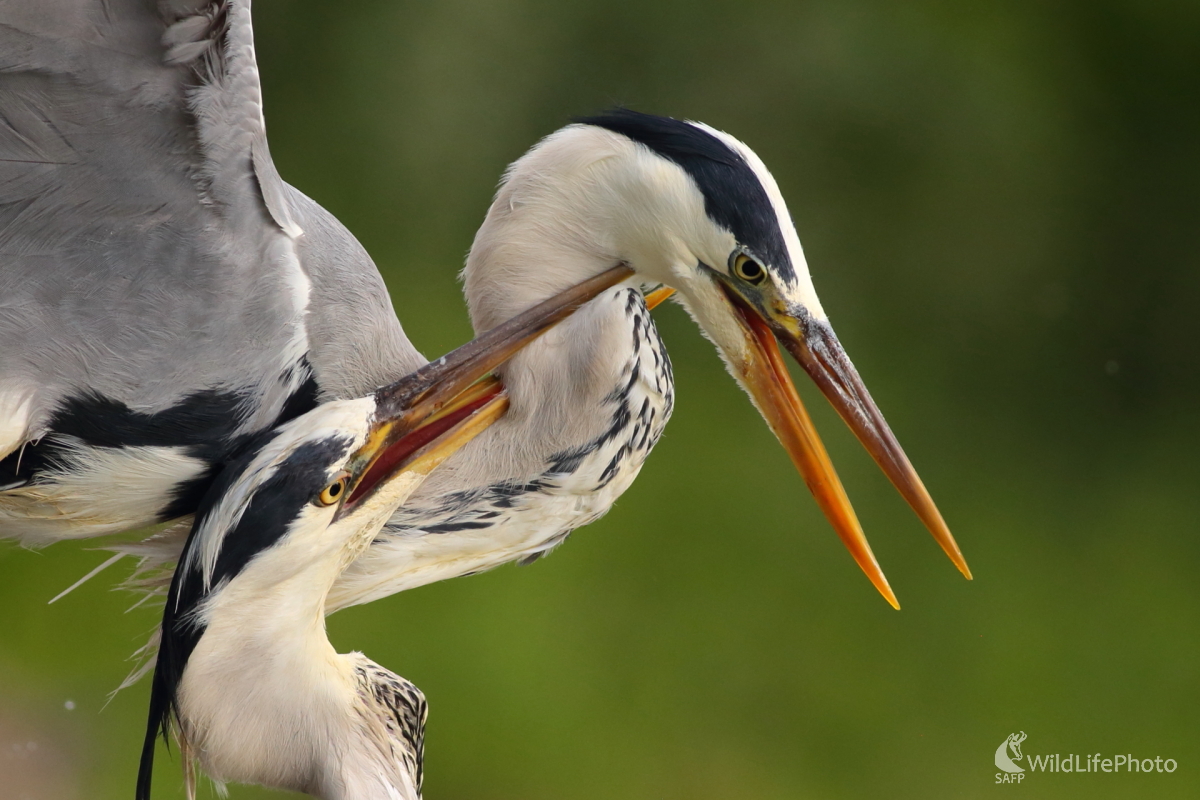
356	343
148	247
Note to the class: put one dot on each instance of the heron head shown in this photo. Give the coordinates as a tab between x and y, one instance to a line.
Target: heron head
695	209
331	476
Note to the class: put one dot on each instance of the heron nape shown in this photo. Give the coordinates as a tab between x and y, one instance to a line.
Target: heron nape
167	300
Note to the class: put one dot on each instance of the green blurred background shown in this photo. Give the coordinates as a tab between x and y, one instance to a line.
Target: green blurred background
999	204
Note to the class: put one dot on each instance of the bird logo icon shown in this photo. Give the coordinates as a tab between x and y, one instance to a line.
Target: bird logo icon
1013	743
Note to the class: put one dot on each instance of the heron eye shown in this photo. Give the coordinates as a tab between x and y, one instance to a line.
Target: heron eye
333	492
748	269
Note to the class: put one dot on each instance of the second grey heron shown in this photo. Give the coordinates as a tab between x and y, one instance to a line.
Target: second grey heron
246	678
167	296
685	206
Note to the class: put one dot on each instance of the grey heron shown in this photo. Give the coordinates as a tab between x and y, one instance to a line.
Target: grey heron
167	296
246	678
685	206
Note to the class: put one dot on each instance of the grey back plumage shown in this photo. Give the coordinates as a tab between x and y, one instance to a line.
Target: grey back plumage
150	254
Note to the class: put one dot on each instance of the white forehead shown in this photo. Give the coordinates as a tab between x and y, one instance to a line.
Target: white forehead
349	418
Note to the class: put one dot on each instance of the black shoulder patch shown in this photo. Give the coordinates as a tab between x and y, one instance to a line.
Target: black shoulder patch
204	422
186	496
304	399
734	198
272	509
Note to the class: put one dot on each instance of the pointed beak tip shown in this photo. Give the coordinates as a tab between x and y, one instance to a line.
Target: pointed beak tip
830	368
950	547
880	582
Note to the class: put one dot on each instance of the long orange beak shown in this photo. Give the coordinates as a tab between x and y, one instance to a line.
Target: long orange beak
821	355
818	351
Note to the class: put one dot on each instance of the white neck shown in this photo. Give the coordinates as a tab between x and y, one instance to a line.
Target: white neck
264	697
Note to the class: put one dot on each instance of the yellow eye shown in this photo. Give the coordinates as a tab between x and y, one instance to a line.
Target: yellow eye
333	492
748	269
